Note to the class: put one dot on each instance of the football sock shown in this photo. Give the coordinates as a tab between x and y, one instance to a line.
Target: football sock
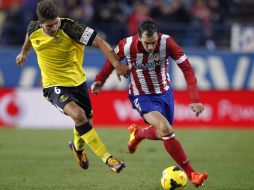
147	133
96	145
175	149
82	129
79	143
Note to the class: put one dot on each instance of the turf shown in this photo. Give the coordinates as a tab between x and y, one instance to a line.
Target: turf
40	159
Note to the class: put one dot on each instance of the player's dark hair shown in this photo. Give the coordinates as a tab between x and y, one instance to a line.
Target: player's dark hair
148	26
47	10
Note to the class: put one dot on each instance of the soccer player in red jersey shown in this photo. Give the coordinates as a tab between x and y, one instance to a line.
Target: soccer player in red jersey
150	90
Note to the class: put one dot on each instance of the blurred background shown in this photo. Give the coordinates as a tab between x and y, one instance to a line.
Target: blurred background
218	38
216	35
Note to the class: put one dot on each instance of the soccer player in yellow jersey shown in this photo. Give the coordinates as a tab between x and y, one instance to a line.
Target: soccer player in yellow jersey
59	44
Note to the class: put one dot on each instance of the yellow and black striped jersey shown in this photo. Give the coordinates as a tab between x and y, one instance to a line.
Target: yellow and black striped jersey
60	58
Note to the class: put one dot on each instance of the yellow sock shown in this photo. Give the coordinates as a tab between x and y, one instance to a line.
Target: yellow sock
79	143
96	144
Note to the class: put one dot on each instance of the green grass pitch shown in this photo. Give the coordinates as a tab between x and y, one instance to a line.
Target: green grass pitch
41	160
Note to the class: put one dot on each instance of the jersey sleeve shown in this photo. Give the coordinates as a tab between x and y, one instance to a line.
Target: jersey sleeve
177	54
119	50
108	68
104	73
32	27
79	32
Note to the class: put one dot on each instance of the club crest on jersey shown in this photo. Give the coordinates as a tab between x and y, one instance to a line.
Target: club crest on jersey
63	98
156	57
57	40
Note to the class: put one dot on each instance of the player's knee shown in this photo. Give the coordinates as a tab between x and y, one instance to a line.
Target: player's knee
166	129
79	117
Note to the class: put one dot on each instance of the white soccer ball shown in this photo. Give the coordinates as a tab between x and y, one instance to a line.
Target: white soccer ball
173	178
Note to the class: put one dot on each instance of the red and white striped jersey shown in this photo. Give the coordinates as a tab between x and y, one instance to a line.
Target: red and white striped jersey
149	71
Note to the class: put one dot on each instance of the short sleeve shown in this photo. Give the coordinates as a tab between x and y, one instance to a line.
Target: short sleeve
32	27
78	32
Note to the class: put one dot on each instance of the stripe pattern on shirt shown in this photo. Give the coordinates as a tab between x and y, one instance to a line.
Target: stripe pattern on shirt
149	71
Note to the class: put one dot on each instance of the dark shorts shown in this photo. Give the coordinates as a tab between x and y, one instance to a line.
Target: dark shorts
59	96
163	103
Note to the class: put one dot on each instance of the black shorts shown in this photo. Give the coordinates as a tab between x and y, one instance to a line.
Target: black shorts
59	96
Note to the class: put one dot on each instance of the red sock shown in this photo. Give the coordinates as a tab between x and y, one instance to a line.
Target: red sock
147	133
175	149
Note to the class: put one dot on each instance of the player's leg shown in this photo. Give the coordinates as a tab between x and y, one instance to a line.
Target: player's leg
149	132
137	134
97	145
77	146
171	144
174	147
84	127
142	104
60	97
77	140
145	104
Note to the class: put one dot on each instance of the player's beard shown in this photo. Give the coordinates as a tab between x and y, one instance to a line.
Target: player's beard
52	33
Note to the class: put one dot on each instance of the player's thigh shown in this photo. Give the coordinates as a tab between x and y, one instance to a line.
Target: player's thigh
156	119
75	112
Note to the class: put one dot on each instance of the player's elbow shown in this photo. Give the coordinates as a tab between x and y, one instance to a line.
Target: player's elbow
101	44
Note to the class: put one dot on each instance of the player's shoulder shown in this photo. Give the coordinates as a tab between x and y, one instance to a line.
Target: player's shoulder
71	26
32	27
127	40
67	22
170	41
165	36
77	31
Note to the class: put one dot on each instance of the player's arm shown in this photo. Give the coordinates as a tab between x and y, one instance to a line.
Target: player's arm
112	58
107	69
87	36
183	63
101	77
22	56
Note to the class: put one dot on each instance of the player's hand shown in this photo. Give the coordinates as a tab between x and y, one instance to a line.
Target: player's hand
198	108
96	87
123	70
20	59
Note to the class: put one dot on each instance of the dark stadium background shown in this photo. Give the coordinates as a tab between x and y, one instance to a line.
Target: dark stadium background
218	38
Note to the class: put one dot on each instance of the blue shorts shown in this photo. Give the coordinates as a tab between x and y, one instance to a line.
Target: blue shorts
163	103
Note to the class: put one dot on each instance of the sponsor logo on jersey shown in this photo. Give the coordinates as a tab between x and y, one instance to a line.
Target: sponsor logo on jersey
63	98
152	62
37	42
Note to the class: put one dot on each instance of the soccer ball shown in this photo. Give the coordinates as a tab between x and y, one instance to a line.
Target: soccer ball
173	178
